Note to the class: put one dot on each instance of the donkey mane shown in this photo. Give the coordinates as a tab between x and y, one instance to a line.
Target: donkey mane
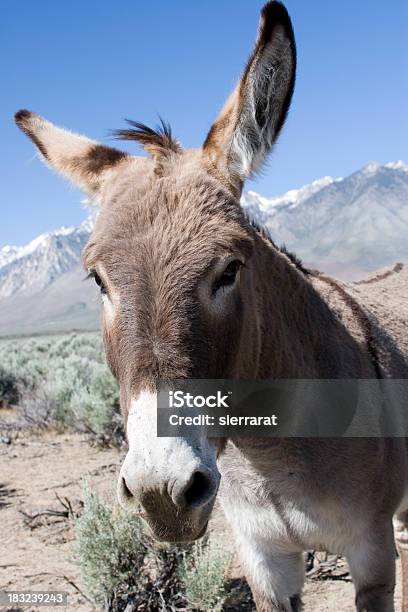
265	234
295	260
158	142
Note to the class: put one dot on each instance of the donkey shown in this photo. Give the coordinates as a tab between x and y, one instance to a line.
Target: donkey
192	289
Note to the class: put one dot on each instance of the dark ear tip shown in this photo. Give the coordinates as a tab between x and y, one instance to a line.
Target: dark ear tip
275	9
22	116
274	13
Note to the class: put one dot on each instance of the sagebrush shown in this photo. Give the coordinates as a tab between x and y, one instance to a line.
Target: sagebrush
62	380
202	571
123	568
110	553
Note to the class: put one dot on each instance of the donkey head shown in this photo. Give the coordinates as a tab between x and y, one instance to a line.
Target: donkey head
175	259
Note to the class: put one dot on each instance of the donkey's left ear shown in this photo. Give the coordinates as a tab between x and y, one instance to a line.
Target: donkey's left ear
253	116
83	161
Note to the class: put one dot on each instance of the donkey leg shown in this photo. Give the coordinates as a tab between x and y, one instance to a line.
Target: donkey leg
401	536
372	567
276	577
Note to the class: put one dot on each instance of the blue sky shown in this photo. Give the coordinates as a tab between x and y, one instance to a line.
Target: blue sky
87	65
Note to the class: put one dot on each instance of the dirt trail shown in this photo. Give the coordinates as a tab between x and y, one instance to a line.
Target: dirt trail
35	553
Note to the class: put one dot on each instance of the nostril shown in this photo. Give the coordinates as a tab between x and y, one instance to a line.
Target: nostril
126	492
198	490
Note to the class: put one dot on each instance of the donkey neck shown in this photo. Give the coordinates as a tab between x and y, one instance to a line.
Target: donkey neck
301	337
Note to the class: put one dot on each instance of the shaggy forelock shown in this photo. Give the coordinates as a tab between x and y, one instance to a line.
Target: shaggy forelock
159	140
176	216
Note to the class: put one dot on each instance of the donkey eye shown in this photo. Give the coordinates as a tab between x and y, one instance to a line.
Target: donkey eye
98	281
229	275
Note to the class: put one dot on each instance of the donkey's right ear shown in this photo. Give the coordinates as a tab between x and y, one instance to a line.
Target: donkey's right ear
253	116
83	161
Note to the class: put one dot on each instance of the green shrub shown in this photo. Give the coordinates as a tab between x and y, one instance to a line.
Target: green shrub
202	571
62	380
9	383
110	552
122	566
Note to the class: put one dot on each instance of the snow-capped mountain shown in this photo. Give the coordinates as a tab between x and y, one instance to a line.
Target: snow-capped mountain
345	226
291	198
33	267
41	284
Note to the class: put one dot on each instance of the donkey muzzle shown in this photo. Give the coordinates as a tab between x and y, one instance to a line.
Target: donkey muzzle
177	510
173	481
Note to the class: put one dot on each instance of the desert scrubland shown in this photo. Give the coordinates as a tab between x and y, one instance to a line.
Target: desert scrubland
61	447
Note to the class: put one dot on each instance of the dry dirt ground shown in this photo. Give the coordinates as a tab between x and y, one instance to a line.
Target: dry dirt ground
46	472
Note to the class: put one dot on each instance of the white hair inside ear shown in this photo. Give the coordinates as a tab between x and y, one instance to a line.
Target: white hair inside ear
256	130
